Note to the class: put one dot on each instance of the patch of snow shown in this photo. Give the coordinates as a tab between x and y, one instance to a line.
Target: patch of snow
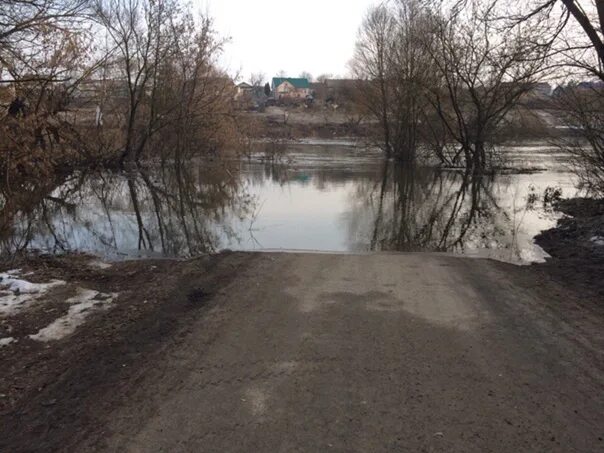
99	264
16	293
6	341
83	304
598	240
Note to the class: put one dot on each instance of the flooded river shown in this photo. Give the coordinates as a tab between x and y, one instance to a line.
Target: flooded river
320	197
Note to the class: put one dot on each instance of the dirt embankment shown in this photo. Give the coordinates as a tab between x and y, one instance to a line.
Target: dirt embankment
320	121
576	245
298	122
51	391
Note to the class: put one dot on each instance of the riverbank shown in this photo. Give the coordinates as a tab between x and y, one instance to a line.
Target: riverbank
97	341
576	246
228	349
59	371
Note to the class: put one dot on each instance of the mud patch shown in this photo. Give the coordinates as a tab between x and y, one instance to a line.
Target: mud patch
437	304
577	256
257	400
371	300
285	367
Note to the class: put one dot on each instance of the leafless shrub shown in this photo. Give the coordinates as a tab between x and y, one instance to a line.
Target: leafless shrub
176	99
483	74
391	66
106	80
583	113
444	77
573	33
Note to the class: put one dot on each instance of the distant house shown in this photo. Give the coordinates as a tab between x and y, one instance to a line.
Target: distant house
289	88
250	97
243	89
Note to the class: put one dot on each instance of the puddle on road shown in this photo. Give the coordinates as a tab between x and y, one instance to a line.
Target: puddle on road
327	198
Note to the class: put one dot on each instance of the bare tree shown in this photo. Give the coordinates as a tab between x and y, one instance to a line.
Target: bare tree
139	31
195	110
482	76
149	65
412	71
30	31
323	78
306	75
257	79
393	67
370	66
166	62
42	58
572	29
582	109
576	40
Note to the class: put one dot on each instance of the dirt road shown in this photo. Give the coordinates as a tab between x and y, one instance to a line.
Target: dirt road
368	353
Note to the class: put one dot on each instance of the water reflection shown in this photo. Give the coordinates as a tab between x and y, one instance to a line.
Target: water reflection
415	209
173	211
324	198
419	209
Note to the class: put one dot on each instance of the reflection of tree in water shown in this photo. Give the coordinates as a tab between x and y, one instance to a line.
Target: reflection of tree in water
23	208
321	177
409	209
174	210
186	210
259	173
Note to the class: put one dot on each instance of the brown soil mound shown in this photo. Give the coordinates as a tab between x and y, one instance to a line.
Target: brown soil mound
577	245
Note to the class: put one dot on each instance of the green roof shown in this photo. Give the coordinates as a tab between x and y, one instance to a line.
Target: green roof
297	83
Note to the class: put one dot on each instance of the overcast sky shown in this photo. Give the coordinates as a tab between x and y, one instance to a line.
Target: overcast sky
302	35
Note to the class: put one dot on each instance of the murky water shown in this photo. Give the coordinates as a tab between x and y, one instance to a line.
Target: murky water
321	197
